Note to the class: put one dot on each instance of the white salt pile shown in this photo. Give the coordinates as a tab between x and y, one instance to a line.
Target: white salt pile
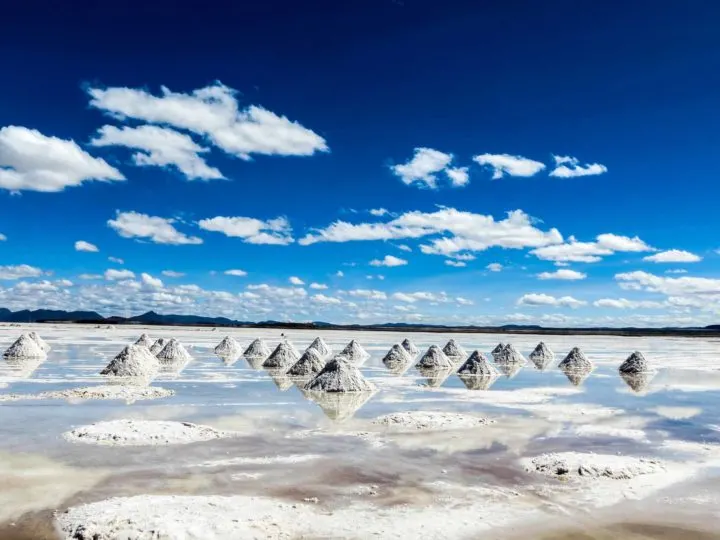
410	347
542	356
454	351
174	352
40	341
133	361
322	348
397	359
145	341
576	361
25	347
144	433
310	363
228	347
635	364
283	356
257	349
477	365
575	464
158	346
340	375
429	421
509	355
498	348
434	358
354	352
125	393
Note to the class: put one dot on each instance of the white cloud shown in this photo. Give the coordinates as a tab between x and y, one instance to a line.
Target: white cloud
379	212
252	231
679	286
116	260
535	299
318	286
161	147
588	252
323	299
112	274
339	273
368	293
459	176
32	161
418	296
569	167
82	245
456	264
156	229
404	247
464	301
3	238
616	242
423	167
150	281
503	164
624	303
389	261
19	271
676	271
172	274
90	276
213	112
673	256
494	267
564	274
235	272
296	280
278	292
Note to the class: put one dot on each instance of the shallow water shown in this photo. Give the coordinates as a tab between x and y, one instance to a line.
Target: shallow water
294	448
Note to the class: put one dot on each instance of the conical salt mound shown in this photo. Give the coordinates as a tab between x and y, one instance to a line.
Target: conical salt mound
40	341
354	352
635	364
577	376
453	350
542	356
474	382
133	361
158	346
478	366
322	348
434	377
257	349
499	347
283	356
397	359
576	361
145	341
173	351
340	375
434	358
509	355
410	347
339	406
638	382
25	347
310	364
229	348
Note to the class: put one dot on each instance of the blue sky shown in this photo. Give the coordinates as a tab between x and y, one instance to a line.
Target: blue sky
551	164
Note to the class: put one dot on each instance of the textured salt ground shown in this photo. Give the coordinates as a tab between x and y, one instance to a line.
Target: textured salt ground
110	392
592	466
128	432
429	421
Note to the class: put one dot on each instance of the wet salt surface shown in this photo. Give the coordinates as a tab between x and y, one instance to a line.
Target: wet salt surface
288	449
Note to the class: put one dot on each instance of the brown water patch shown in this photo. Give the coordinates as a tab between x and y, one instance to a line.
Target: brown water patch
30	526
633	531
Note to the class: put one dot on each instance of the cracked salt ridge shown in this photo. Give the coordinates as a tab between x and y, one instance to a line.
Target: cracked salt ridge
125	393
429	421
127	432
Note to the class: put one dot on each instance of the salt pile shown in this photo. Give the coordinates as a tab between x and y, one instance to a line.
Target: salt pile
173	351
498	348
575	376
354	352
158	346
40	341
229	348
25	347
453	350
638	382
145	341
340	375
434	358
133	361
397	359
257	349
283	356
126	393
575	464
575	361
339	406
310	363
542	356
509	355
410	347
635	364
478	366
429	421
322	348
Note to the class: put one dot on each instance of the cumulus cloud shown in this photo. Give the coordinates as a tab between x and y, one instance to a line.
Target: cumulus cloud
82	245
673	256
589	252
370	294
378	212
252	231
112	274
3	238
318	286
278	292
339	273
296	280
494	267
160	147
404	247
172	274
19	271
116	260
150	281
624	303
564	274
214	113
456	264
389	261
235	272
156	229
569	167
90	276
535	299
459	176
327	300
31	161
423	167
464	301
506	164
418	296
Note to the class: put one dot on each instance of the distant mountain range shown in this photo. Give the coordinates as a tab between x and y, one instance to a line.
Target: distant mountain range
153	318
